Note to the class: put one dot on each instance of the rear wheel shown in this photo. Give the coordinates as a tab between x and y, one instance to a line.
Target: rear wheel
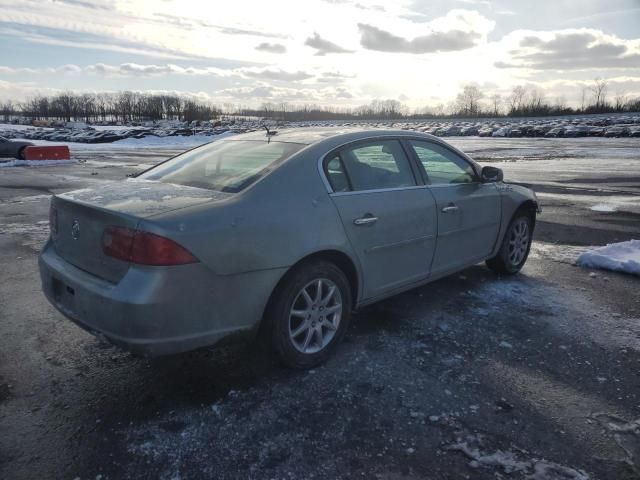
515	246
310	314
21	153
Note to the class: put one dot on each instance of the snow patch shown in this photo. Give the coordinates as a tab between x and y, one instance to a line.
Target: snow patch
622	257
557	252
152	141
510	462
604	207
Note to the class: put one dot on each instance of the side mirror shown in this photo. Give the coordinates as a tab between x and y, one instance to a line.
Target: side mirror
491	174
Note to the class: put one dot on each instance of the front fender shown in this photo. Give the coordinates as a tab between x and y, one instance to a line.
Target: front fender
513	198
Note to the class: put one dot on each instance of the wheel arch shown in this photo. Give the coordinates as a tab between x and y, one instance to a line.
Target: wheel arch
528	206
340	259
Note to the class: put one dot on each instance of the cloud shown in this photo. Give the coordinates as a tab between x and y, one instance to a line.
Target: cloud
151	70
374	38
324	46
274	74
457	30
333	77
270	93
583	49
104	5
138	70
271	47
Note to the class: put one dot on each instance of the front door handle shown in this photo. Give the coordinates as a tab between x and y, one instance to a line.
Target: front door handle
366	220
450	209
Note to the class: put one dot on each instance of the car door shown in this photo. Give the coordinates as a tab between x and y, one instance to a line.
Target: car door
468	210
388	216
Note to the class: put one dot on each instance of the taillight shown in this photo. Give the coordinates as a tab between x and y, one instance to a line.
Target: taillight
53	220
143	248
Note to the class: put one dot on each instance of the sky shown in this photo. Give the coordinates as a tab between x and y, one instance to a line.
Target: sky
324	52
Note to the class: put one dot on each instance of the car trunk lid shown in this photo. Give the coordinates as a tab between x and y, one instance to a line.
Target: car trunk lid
81	217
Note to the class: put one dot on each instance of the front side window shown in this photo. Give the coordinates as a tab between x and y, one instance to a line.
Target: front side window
376	165
442	165
226	166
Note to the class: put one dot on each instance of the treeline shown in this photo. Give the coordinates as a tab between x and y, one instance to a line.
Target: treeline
470	102
122	106
525	101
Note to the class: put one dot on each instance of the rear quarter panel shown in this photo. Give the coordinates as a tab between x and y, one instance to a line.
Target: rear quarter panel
284	217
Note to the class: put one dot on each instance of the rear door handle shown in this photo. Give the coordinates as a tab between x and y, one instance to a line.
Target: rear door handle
450	209
366	220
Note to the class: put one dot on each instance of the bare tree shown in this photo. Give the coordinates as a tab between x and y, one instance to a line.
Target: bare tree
620	100
496	104
516	99
599	91
468	101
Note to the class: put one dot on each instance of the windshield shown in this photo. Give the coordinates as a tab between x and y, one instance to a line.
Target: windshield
226	166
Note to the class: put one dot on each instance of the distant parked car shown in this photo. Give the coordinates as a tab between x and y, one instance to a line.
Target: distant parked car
283	234
12	148
555	132
616	131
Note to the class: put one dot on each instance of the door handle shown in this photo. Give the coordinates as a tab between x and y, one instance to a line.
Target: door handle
450	209
366	220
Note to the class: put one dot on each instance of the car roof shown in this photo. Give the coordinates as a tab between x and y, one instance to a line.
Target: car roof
334	135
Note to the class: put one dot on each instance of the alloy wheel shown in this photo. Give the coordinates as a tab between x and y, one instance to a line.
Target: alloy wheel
315	315
518	241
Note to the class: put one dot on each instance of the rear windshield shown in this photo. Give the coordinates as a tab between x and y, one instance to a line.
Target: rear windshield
226	166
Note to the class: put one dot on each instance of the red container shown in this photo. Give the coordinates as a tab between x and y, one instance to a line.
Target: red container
47	153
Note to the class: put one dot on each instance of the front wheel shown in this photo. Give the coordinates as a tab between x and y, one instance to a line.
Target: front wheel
515	246
310	314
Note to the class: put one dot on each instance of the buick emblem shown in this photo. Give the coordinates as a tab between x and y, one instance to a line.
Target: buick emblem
75	230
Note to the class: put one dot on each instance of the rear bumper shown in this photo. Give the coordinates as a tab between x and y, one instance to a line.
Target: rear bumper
158	310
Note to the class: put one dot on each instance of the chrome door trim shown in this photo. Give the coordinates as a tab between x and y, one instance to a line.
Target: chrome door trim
400	244
377	190
465	229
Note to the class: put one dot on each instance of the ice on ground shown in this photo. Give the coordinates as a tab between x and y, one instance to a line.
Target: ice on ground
34	163
557	252
510	462
620	257
598	203
604	207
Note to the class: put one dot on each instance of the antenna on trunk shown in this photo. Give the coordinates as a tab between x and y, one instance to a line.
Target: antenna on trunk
270	133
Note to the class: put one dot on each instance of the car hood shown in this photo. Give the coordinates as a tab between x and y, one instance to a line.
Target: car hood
143	198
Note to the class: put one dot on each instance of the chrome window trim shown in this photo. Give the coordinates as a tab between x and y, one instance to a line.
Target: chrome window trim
377	190
463	156
399	137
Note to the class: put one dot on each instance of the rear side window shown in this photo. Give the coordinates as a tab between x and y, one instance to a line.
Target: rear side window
442	165
336	175
226	166
376	165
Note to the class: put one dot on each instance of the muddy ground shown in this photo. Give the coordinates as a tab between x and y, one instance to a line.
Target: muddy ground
474	376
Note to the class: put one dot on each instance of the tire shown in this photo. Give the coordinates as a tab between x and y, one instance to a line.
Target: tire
306	329
515	247
20	155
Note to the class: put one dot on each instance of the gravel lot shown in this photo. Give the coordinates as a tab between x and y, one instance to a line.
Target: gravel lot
536	376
